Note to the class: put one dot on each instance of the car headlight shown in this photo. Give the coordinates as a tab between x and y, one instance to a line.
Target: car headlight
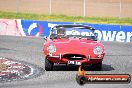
97	50
51	48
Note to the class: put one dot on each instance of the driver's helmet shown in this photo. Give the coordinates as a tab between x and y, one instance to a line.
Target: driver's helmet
61	32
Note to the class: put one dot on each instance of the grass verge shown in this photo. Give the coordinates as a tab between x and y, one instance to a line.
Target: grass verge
64	18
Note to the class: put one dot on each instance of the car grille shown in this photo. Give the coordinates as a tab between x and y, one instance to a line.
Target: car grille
74	56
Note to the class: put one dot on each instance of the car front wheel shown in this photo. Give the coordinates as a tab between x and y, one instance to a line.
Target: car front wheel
97	67
48	65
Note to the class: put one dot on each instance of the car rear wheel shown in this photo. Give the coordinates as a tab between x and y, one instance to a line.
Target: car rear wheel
48	65
97	67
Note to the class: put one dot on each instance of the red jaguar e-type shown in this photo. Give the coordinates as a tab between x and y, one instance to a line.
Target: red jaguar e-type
73	45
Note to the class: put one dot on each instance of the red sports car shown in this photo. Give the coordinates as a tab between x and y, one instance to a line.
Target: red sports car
73	45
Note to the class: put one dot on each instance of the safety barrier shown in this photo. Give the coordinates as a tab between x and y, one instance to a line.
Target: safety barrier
9	27
106	32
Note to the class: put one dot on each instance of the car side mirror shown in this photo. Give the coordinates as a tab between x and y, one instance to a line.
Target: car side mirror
45	38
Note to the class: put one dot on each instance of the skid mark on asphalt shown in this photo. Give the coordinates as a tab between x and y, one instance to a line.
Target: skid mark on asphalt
14	70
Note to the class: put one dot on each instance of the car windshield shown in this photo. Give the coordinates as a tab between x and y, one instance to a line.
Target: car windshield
75	32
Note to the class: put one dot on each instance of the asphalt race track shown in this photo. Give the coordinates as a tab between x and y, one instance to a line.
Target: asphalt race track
118	59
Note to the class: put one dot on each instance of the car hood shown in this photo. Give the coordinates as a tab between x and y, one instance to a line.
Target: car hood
74	46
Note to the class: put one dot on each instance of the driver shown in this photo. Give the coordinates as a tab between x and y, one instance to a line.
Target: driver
61	32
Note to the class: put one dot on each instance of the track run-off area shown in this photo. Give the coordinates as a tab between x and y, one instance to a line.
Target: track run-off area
118	60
